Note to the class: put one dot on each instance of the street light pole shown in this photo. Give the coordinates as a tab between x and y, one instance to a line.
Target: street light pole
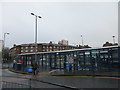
113	39
4	46
82	39
4	39
36	34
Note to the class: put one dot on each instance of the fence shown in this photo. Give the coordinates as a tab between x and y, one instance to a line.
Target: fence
15	82
6	84
30	83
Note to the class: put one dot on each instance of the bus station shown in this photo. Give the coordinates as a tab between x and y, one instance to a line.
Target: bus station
89	59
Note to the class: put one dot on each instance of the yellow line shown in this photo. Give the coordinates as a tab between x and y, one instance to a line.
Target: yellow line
92	76
109	77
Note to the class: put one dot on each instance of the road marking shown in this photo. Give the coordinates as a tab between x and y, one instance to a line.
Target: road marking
110	77
52	71
92	77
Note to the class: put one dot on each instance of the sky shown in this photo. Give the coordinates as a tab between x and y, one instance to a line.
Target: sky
97	22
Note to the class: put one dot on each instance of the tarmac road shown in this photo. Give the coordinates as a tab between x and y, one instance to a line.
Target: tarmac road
38	81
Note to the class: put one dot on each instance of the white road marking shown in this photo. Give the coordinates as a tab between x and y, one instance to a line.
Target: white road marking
52	71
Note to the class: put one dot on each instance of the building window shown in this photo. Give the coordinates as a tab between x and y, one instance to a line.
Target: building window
22	51
26	47
31	50
31	47
26	50
21	47
47	50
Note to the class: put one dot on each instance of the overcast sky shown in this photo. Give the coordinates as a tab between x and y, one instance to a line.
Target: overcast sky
96	21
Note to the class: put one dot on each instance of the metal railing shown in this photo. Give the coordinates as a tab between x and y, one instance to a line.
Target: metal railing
31	83
6	84
15	82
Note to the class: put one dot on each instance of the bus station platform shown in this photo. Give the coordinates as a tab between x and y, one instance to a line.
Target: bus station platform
58	72
86	73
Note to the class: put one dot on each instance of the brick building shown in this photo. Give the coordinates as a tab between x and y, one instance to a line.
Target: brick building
41	47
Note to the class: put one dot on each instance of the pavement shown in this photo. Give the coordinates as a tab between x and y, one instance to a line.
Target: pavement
29	73
86	73
61	72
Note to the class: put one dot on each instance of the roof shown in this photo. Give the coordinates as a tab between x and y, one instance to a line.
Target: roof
62	51
46	44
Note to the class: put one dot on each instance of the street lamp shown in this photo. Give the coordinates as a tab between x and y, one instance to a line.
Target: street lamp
113	39
82	39
4	45
4	39
36	34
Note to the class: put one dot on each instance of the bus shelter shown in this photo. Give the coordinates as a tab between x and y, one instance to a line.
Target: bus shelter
89	59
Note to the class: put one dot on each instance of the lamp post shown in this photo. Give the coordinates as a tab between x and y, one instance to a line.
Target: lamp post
82	39
113	39
4	45
36	34
4	39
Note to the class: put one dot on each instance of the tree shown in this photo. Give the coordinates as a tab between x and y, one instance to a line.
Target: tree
109	44
5	54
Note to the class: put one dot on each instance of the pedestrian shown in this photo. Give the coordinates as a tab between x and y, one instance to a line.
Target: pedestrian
70	66
34	67
64	65
67	66
70	63
20	61
14	64
75	64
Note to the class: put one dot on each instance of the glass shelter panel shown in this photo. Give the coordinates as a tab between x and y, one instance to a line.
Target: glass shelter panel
101	59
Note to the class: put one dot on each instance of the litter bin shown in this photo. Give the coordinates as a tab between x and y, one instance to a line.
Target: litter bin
29	69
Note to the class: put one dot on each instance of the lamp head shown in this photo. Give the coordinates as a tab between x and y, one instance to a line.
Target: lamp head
39	16
32	14
113	36
8	33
